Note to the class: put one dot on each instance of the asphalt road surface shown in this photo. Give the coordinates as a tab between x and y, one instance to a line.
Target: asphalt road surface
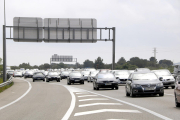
27	100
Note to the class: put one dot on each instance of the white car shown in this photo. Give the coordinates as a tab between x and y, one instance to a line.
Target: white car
121	76
17	74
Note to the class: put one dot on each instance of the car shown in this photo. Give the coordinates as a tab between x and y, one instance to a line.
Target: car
64	74
28	74
85	74
17	74
177	91
105	80
75	77
166	77
92	76
38	76
10	72
131	71
142	83
53	76
142	70
121	76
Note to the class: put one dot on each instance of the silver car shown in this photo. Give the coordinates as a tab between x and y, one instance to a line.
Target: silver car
121	76
92	76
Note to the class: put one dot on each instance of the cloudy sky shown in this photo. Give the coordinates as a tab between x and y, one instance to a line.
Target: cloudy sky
141	25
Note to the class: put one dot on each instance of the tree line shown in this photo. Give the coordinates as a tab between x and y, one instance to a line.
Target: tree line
122	63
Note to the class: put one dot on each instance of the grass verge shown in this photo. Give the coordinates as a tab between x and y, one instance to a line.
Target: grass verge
5	87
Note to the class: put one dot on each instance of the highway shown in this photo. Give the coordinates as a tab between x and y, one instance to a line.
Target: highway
27	100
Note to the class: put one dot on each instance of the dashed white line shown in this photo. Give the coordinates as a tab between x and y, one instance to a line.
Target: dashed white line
105	110
93	99
93	104
86	95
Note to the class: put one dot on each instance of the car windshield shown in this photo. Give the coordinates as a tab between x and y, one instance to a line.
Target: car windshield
122	73
38	73
144	76
53	73
75	74
101	76
162	73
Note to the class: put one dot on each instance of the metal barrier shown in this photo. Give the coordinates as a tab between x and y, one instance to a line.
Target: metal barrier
9	81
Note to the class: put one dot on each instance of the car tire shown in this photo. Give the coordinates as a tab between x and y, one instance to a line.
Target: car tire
33	80
176	102
43	79
58	80
166	87
116	87
112	88
172	87
82	83
132	94
127	94
161	94
87	81
47	80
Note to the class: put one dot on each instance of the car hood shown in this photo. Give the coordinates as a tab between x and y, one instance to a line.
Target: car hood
76	77
53	76
38	76
107	79
146	81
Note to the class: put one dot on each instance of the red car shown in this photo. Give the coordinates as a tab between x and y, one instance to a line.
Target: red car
177	91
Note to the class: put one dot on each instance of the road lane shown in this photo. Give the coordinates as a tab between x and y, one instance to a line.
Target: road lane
162	105
44	101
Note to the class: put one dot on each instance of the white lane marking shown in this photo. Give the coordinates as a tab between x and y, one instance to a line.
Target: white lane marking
30	86
105	110
139	107
93	104
93	99
169	94
86	95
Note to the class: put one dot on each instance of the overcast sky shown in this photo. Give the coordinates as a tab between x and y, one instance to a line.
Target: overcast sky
140	25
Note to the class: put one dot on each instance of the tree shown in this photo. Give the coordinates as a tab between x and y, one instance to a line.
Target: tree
121	61
165	63
88	64
25	65
153	59
98	64
141	63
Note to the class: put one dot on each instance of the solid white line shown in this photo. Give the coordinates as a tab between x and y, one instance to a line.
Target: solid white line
30	86
93	104
93	99
71	108
116	119
105	110
86	95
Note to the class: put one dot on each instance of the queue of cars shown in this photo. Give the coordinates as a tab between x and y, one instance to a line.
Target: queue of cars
137	82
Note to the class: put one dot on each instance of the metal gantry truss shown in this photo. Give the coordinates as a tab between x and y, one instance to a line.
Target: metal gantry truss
62	29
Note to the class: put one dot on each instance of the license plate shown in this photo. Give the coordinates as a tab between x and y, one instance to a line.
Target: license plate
107	83
76	80
38	78
149	88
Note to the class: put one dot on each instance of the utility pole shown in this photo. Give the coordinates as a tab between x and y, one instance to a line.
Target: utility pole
154	51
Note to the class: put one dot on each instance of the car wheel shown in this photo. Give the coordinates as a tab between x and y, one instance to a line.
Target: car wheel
47	80
58	80
161	94
43	79
127	94
176	102
166	87
132	94
82	83
97	88
112	88
116	87
33	80
172	87
87	81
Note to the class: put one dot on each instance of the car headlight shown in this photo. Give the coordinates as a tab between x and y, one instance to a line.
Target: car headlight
99	81
136	85
172	79
159	84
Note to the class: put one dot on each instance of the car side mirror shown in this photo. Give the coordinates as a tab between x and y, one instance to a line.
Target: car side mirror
160	78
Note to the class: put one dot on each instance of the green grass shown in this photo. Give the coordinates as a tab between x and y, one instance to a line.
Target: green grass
5	87
1	80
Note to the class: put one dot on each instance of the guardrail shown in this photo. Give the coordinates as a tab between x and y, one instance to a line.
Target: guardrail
9	81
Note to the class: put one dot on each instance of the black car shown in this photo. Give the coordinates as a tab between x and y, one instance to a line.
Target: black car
64	74
140	83
38	76
53	76
28	74
75	77
105	80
